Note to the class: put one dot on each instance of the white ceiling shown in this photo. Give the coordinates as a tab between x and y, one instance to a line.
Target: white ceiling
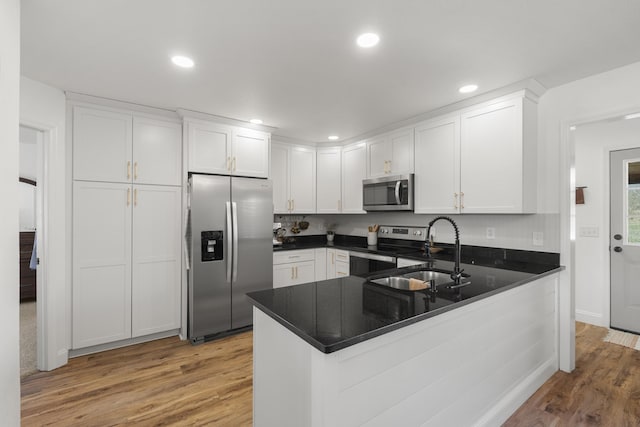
295	64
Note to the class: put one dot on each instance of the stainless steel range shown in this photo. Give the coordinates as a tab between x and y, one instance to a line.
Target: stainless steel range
393	240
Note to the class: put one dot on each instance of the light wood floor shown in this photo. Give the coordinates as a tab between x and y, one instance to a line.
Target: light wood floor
170	382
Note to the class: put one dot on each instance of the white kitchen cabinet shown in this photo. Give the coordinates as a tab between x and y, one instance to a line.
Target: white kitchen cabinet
320	259
227	150
391	154
437	179
294	178
354	170
481	160
157	152
329	180
156	259
101	309
111	146
102	145
293	267
337	263
126	261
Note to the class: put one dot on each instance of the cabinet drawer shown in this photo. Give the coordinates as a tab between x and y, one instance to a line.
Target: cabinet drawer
293	256
342	256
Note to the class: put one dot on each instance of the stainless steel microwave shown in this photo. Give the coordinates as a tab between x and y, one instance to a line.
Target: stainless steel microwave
388	193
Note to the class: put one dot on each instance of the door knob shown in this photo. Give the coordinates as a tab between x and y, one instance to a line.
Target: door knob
617	249
617	237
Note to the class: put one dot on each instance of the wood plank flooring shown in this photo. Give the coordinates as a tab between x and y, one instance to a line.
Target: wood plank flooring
165	382
170	382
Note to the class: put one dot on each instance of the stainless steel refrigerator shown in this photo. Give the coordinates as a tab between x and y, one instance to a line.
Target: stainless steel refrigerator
230	251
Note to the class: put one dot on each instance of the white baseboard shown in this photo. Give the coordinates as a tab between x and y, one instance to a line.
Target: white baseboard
518	395
123	343
590	318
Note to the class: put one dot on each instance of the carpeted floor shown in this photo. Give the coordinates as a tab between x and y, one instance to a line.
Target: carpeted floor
28	352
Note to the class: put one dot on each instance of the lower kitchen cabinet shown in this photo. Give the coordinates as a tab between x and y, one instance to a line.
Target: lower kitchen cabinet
293	267
126	261
337	263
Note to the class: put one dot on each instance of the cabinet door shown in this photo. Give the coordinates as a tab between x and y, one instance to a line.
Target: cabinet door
156	276
320	264
437	177
101	145
302	179
328	180
331	263
280	178
342	269
283	275
209	148
401	152
101	310
304	272
378	157
491	159
354	170
157	152
250	151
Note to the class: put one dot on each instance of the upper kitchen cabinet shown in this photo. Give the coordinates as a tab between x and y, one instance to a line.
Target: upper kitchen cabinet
481	160
328	180
390	154
113	146
225	150
294	178
354	170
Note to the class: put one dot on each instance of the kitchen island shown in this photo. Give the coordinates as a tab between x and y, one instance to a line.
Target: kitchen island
350	352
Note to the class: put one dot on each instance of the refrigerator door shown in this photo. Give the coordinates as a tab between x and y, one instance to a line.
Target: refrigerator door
253	262
210	274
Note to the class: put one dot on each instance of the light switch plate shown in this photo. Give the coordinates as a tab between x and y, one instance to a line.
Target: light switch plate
589	231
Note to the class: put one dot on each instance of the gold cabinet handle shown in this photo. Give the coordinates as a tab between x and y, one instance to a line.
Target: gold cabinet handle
128	196
129	169
461	200
135	197
135	170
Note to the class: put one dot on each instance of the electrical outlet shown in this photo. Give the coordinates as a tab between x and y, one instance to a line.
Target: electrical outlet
491	233
538	238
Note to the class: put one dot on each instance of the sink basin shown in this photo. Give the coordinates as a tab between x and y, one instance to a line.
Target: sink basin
403	283
428	275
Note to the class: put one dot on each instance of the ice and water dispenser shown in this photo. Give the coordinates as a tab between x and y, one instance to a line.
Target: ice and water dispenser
212	245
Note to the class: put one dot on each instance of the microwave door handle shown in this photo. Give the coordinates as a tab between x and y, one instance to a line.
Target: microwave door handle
229	242
398	186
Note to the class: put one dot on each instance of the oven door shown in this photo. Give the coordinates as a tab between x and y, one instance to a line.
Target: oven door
362	264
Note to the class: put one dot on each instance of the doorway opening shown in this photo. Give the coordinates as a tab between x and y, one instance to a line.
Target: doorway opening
31	191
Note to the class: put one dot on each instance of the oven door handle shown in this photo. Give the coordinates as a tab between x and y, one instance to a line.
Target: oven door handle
397	192
374	257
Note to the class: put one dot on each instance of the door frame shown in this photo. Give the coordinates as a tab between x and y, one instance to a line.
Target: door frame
47	353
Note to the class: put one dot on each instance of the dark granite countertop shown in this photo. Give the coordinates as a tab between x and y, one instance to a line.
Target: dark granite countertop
338	313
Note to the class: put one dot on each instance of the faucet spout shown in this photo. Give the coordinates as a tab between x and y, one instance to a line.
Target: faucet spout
457	272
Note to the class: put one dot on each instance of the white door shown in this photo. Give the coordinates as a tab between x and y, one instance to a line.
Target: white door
250	150
157	152
354	170
401	152
101	310
491	159
302	180
379	154
101	145
437	179
625	239
328	180
209	148
280	178
156	260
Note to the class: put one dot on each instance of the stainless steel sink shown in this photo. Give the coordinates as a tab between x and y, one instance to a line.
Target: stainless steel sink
402	283
437	277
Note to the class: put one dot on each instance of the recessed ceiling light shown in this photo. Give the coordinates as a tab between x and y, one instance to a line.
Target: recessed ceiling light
632	116
334	137
182	61
468	88
255	121
367	40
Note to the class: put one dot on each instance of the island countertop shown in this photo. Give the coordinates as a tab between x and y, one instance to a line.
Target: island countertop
334	314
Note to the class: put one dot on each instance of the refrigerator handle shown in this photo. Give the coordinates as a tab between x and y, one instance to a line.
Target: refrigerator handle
235	240
229	242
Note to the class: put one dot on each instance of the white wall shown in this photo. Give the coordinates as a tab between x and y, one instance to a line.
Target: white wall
593	141
28	168
44	107
9	273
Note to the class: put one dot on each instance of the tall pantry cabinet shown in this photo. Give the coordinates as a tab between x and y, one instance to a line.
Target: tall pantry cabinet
126	225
